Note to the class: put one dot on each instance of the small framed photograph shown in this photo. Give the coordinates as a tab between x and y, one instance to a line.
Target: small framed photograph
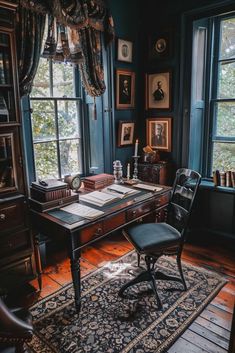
125	133
158	132
158	86
124	50
125	89
160	45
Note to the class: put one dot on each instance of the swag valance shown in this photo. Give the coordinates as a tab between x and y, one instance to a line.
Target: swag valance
72	33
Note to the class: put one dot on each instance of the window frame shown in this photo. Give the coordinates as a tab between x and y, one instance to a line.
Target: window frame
214	99
77	98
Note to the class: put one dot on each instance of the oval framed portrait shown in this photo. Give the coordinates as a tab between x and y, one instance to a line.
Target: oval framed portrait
160	45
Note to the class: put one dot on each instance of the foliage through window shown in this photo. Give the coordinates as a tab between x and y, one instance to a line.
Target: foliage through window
56	121
223	106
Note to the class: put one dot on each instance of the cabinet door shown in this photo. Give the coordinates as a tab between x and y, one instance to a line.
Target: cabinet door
7	78
11	172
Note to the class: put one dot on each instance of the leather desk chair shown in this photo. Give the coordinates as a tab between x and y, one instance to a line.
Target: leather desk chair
15	329
165	238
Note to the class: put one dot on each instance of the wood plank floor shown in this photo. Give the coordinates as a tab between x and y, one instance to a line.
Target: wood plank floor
210	332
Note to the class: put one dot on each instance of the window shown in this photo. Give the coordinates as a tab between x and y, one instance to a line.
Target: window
223	104
56	121
212	118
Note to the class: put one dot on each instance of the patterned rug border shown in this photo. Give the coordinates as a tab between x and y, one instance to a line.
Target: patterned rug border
177	333
70	284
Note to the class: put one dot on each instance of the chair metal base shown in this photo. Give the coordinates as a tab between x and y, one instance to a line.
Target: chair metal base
150	275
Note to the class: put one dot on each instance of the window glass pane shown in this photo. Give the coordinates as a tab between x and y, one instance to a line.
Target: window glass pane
43	120
68	119
227	44
223	156
63	80
225	119
41	83
69	157
226	80
45	155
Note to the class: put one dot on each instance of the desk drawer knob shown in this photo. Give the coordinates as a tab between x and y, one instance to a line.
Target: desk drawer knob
2	216
98	231
133	213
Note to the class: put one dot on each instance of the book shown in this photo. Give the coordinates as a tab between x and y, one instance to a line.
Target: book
83	211
228	178
119	190
98	181
216	177
147	187
98	198
233	179
44	196
50	205
222	178
49	185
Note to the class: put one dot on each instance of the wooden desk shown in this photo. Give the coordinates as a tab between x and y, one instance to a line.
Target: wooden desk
85	232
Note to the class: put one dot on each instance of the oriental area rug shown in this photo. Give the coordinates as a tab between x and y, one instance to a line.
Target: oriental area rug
110	324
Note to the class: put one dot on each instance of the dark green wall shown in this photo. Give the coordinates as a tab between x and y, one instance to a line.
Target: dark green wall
141	22
128	19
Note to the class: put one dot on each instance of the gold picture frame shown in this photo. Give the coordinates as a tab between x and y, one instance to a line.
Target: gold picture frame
158	90
159	133
126	133
125	89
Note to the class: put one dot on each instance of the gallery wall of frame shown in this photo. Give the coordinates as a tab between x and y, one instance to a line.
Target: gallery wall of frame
158	93
125	92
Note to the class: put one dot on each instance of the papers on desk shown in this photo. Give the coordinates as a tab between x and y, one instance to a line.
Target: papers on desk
147	187
82	211
108	195
98	198
120	191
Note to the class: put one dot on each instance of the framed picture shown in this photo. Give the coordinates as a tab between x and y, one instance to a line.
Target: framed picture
159	133
160	45
124	50
158	87
125	89
125	133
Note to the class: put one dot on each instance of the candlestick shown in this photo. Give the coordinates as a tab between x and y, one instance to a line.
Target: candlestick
135	174
128	171
136	147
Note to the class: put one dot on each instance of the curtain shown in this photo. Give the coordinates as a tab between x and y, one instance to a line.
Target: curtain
30	29
73	35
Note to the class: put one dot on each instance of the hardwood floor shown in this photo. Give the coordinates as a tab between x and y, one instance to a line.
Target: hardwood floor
209	333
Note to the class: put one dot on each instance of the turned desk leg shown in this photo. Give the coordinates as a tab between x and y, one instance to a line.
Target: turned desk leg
38	260
76	275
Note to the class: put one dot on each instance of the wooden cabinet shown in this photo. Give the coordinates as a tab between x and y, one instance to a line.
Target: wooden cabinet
157	173
16	248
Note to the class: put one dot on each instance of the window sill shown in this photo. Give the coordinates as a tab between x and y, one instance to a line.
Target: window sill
208	184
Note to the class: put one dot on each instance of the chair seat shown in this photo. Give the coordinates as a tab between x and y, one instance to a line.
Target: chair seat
148	238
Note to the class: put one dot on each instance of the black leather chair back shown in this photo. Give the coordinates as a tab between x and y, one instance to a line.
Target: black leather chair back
183	194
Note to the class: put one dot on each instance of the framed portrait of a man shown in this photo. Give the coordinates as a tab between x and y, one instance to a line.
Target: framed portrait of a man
158	132
158	87
125	133
125	89
124	50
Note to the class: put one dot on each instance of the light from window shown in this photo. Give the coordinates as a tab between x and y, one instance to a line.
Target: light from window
55	121
223	141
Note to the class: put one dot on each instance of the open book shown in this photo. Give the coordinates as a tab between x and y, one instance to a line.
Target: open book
82	211
147	187
98	198
119	190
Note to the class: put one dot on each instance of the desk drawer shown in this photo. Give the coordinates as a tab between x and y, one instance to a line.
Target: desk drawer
140	210
90	233
11	215
114	222
13	243
163	200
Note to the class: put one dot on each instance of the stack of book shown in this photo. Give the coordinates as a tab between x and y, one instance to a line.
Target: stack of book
49	194
222	178
98	181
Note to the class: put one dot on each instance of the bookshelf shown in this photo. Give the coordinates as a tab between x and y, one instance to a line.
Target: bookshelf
17	261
